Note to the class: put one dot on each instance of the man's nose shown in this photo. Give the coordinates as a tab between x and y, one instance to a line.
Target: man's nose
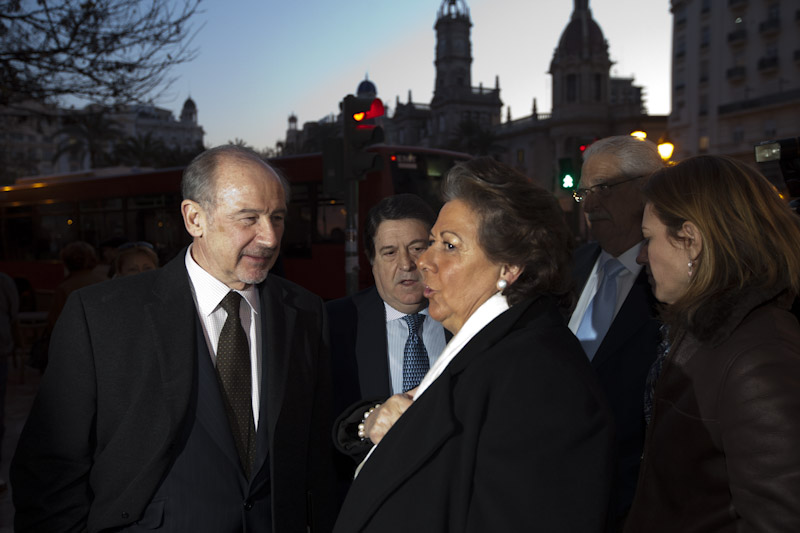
268	235
406	261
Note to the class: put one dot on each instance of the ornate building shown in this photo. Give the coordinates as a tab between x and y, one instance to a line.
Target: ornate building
456	103
588	104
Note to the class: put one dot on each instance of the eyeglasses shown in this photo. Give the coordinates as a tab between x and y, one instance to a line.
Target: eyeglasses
601	189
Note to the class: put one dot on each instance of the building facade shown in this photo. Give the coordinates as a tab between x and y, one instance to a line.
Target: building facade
735	75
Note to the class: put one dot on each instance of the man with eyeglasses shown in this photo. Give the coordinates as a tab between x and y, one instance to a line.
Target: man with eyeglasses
614	317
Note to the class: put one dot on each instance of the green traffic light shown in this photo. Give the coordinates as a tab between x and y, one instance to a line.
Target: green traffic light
567	182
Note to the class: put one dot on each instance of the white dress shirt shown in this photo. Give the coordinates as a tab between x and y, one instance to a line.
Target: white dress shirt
208	292
625	280
431	332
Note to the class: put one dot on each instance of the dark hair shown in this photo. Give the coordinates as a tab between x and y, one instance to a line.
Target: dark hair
520	224
397	207
198	183
78	255
750	235
130	251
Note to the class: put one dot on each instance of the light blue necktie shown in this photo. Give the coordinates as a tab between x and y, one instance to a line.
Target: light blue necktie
600	312
415	356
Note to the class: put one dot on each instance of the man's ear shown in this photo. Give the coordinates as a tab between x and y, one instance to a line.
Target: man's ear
510	273
693	239
194	218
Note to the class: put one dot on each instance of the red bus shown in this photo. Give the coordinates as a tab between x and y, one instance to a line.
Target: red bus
38	216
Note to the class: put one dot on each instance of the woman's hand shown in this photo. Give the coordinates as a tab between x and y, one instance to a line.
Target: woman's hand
381	420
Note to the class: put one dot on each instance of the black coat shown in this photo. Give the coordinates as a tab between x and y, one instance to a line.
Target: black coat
514	435
118	395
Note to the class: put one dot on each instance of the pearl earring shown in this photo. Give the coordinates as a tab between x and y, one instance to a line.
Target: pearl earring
691	269
501	285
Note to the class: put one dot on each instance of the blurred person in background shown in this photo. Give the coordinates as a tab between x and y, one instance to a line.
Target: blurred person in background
133	258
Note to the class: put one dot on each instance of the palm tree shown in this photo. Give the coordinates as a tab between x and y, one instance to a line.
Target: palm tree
142	150
87	133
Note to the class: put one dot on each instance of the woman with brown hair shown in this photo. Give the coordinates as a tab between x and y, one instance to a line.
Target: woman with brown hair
722	451
508	431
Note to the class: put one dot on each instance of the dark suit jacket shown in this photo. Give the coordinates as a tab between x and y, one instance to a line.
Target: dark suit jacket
118	394
359	349
621	364
513	436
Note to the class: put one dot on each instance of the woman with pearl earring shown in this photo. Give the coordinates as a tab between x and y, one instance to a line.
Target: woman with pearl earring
508	430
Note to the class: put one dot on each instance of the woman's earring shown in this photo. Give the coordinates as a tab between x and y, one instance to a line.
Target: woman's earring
691	269
501	285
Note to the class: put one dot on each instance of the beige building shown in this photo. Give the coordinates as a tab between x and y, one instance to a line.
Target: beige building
735	75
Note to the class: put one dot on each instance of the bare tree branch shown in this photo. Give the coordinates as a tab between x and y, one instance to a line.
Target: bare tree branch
104	51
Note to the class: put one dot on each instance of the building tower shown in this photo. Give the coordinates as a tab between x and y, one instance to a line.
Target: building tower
455	101
580	67
453	49
189	112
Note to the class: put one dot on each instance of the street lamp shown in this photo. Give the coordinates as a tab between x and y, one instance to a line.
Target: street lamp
665	147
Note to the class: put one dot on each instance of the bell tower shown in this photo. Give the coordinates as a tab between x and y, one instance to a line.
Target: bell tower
453	49
580	66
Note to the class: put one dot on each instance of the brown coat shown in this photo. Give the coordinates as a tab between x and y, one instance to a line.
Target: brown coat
722	452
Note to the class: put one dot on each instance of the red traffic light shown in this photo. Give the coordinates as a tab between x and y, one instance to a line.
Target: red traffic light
376	109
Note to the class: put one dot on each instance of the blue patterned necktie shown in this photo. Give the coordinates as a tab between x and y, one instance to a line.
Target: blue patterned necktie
415	356
600	313
233	371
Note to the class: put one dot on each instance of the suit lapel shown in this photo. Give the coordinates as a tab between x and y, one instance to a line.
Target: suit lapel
172	318
372	352
278	318
428	424
635	313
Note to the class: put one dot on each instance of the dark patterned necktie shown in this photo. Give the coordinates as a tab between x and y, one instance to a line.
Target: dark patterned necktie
233	371
415	356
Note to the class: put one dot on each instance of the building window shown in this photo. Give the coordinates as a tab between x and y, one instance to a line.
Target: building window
738	135
703	71
572	87
598	87
680	47
520	156
703	109
705	36
703	143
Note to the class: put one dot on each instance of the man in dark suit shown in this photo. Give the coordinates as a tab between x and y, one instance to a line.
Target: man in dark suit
369	331
622	349
163	409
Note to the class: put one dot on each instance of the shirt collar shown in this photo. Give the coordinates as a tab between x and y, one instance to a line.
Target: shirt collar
627	258
209	291
394	314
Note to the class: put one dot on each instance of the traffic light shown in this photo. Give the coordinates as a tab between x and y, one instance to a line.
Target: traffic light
360	131
568	173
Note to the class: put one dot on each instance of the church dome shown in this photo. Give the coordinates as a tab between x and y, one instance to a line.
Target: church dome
583	35
366	89
189	105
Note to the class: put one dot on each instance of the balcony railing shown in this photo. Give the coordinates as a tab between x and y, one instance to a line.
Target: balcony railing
736	73
737	36
768	63
770	26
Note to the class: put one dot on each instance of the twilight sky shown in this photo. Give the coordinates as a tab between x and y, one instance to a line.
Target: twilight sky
261	60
